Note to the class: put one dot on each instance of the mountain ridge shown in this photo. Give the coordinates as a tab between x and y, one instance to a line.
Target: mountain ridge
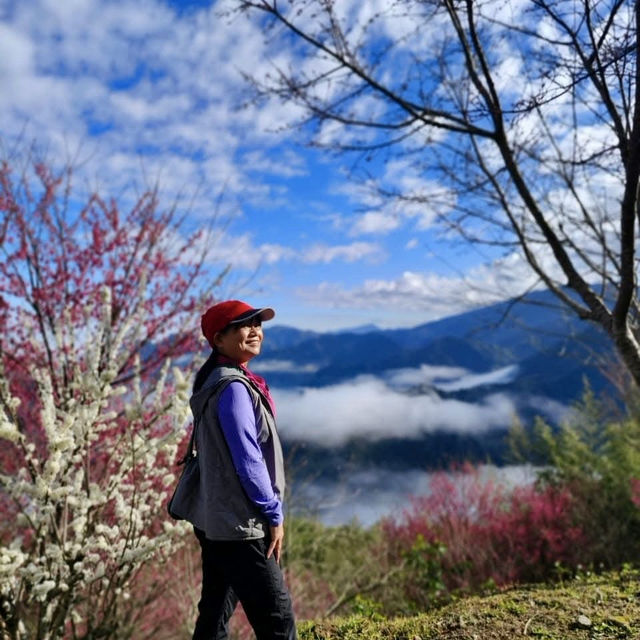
552	354
531	333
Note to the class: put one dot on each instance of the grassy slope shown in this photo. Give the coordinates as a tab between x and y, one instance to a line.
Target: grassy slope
611	602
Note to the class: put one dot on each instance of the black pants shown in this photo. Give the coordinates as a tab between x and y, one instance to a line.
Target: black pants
239	571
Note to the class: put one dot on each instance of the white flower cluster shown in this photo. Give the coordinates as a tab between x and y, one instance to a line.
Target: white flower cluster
86	502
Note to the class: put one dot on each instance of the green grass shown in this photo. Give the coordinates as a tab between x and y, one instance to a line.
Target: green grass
610	601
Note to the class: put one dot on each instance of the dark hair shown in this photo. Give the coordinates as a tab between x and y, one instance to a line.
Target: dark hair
208	366
204	371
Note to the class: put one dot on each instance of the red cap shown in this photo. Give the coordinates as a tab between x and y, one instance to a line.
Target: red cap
216	318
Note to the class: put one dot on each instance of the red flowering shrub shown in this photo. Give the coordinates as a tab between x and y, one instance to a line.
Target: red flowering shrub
477	532
536	533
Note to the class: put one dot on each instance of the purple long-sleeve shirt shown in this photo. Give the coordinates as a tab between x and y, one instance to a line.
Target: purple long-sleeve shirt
238	423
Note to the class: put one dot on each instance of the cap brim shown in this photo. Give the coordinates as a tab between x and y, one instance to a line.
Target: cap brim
266	313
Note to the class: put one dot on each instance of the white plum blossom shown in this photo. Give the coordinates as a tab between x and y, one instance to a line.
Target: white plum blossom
86	498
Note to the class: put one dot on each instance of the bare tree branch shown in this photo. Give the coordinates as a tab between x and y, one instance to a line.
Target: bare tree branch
529	113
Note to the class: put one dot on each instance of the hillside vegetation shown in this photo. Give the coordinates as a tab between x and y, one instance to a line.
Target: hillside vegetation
471	559
586	608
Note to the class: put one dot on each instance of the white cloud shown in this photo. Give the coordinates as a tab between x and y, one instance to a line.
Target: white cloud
551	409
433	295
282	366
241	252
16	53
140	88
402	195
366	407
449	379
348	253
287	164
505	375
375	222
425	374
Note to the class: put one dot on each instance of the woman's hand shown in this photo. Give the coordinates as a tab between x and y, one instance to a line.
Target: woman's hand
277	536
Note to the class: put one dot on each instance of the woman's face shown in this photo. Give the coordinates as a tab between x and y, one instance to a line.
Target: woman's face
240	342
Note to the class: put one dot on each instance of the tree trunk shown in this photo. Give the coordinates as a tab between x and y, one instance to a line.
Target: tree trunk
629	350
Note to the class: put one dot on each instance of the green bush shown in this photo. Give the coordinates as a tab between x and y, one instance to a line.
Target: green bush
597	459
336	569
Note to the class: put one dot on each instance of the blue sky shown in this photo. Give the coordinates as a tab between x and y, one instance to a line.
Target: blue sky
151	90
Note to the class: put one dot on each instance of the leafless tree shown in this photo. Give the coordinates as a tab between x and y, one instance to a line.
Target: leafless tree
520	117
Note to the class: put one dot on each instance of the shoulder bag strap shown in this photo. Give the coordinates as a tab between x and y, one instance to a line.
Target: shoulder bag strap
190	448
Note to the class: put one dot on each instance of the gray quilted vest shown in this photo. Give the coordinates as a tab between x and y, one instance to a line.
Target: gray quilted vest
221	507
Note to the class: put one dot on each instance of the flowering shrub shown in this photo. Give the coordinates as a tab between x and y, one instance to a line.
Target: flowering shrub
94	304
484	533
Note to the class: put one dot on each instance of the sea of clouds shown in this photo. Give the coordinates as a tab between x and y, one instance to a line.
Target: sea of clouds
403	403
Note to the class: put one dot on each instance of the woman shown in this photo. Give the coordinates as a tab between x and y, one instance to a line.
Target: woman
237	512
